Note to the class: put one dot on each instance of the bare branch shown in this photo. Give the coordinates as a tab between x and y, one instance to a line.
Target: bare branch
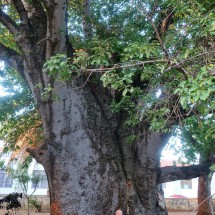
144	12
87	25
193	57
8	22
117	66
34	8
21	11
38	6
12	59
37	16
46	3
173	173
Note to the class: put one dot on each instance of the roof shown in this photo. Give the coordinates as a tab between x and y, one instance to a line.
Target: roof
169	162
177	196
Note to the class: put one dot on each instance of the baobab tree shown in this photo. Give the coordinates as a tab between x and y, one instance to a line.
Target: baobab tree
110	80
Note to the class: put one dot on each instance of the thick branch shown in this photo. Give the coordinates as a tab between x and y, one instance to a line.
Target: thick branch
87	25
40	154
8	22
56	24
173	173
46	3
38	7
12	58
21	11
37	16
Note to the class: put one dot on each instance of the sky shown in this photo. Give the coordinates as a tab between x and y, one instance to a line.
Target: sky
1	88
1	65
168	153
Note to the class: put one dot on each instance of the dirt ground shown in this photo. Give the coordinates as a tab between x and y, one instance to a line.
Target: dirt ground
170	213
2	212
181	213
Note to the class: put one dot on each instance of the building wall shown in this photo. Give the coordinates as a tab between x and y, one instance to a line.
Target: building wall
182	204
176	188
43	200
34	166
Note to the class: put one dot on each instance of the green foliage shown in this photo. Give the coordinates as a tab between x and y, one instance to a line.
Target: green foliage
198	91
17	112
23	178
17	97
130	139
59	67
140	51
34	203
197	139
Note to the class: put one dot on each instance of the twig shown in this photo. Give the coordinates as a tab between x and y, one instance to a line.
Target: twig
204	53
202	203
76	88
116	66
145	13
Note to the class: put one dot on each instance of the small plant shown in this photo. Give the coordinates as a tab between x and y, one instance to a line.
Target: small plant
11	203
34	203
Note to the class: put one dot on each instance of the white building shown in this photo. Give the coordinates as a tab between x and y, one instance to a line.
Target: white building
7	185
182	188
174	189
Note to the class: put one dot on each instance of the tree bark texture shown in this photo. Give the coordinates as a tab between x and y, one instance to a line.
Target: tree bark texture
90	167
205	200
204	192
87	164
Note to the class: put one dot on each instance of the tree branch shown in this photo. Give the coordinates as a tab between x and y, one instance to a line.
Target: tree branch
46	3
12	58
8	22
117	66
146	14
37	17
38	6
87	25
21	11
173	173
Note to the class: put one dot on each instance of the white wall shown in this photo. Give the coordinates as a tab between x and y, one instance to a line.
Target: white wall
15	187
174	188
33	166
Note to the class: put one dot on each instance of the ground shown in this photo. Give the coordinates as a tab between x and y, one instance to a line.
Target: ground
182	213
2	212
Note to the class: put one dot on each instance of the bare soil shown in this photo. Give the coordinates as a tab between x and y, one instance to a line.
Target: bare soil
181	213
2	212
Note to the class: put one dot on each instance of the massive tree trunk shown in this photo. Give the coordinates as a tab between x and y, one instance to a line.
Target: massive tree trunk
90	167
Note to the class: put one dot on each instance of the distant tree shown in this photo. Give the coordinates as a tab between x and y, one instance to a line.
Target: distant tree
199	141
23	178
197	146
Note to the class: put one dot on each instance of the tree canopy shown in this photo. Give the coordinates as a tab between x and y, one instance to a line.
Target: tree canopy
157	57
